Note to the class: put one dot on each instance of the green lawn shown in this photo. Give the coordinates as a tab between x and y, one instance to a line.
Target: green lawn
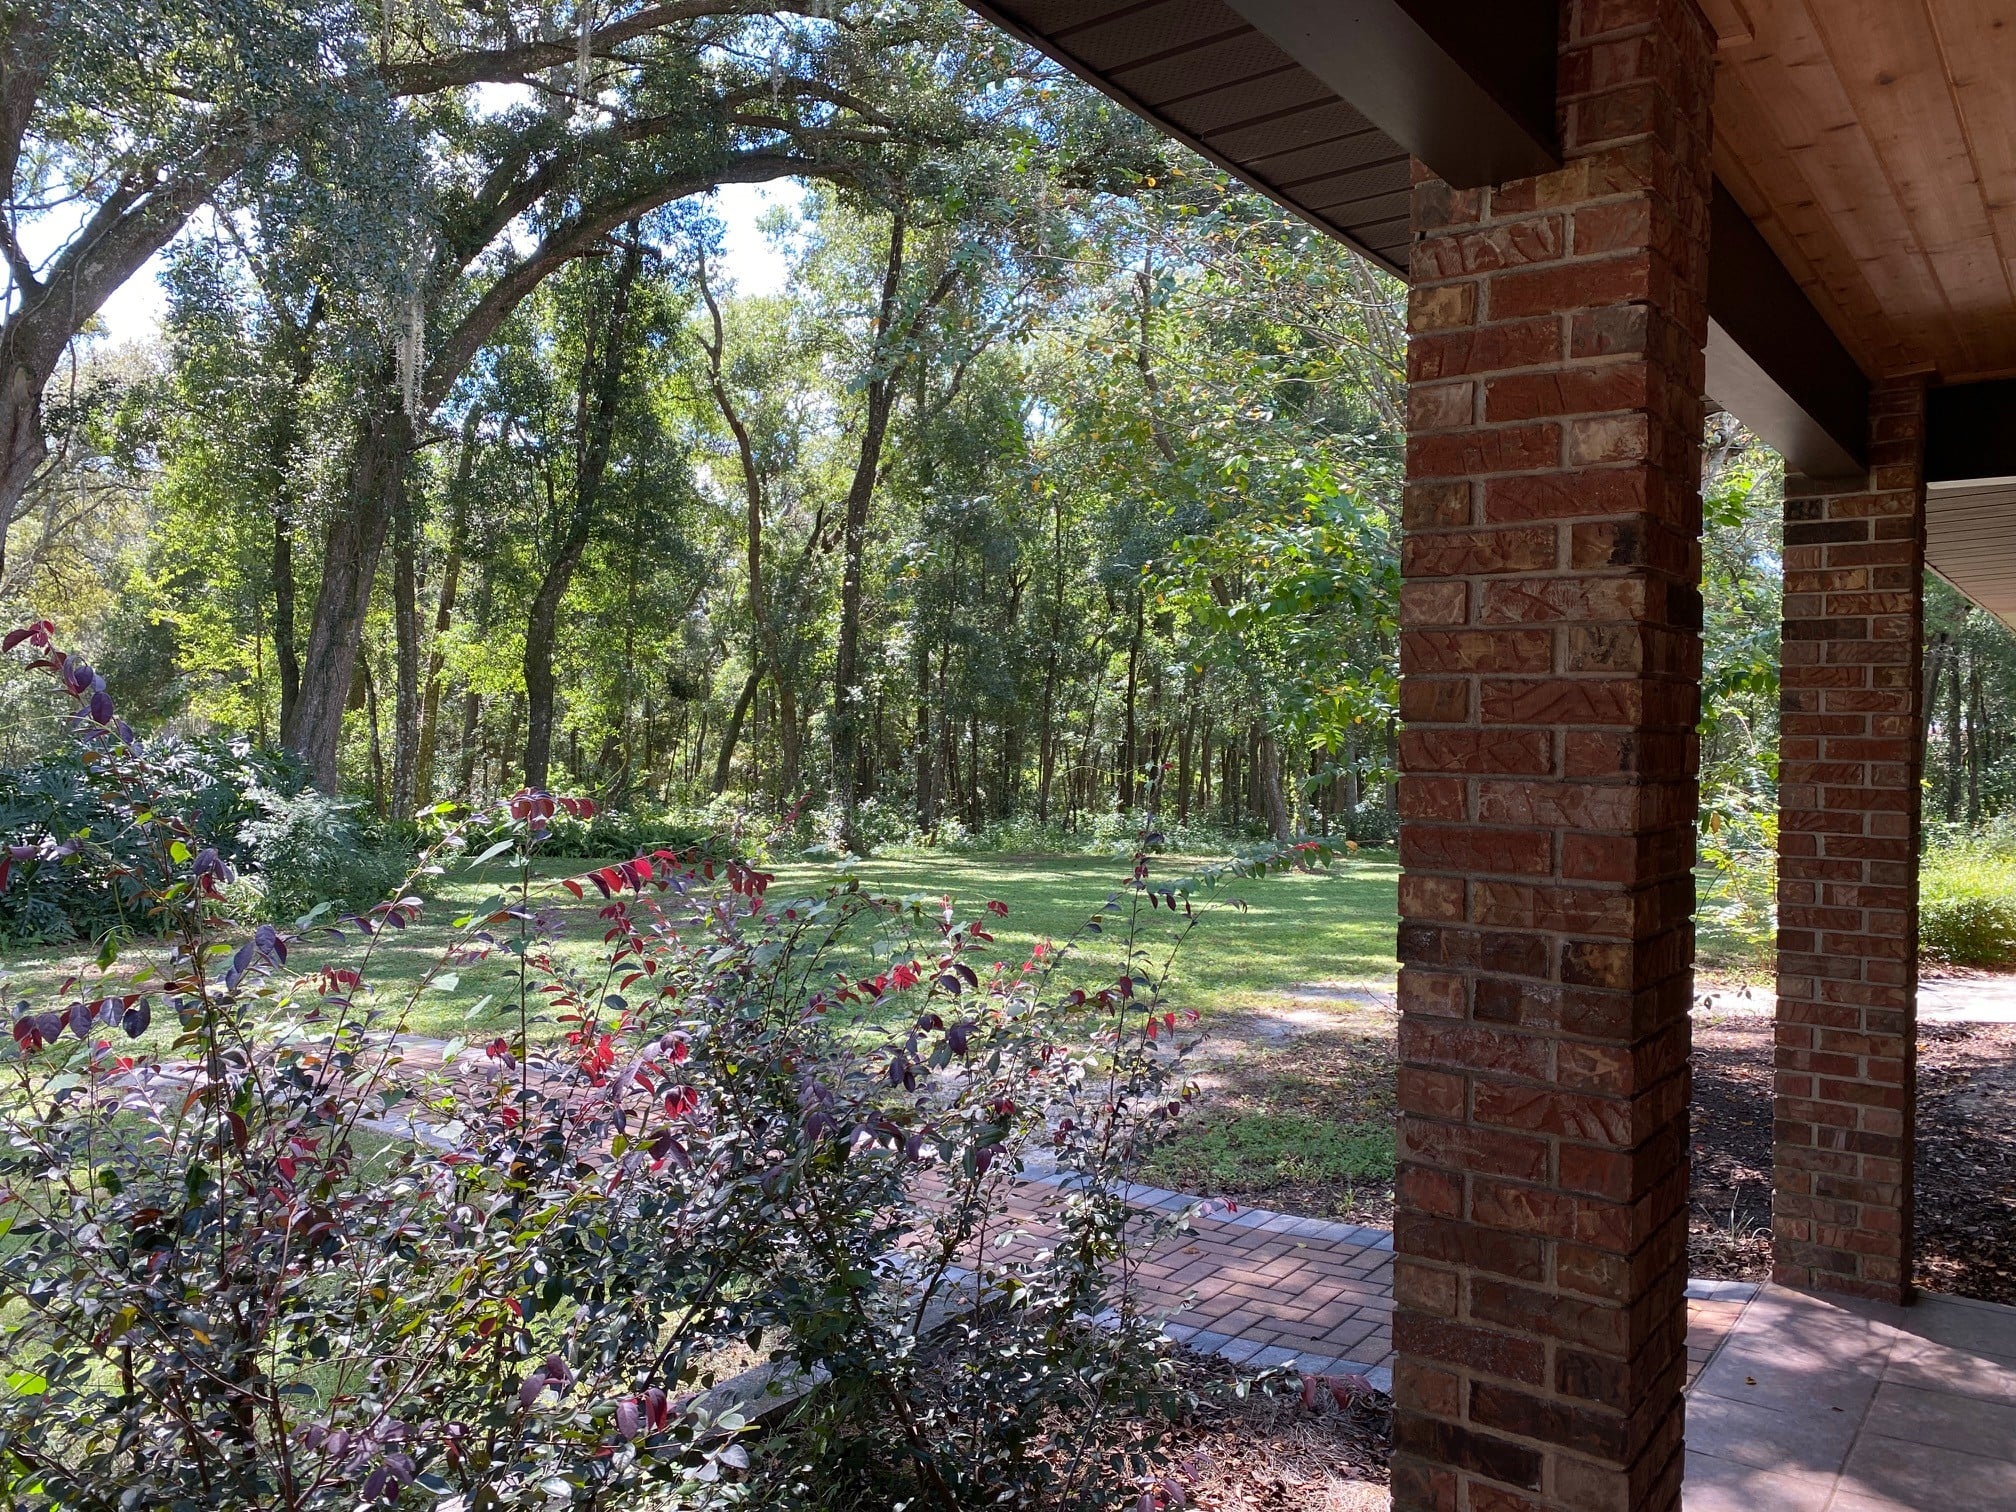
1334	926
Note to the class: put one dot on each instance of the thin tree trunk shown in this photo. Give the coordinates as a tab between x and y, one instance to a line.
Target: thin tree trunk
1955	757
1053	653
444	615
1351	782
286	654
731	737
1203	804
1274	801
1937	654
285	459
1130	755
472	718
377	746
880	400
1975	736
788	732
927	802
598	394
406	656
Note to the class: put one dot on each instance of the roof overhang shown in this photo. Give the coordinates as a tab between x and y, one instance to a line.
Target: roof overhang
1467	85
1970	494
1321	106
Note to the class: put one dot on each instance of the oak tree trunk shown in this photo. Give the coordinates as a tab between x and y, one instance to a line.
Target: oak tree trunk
377	479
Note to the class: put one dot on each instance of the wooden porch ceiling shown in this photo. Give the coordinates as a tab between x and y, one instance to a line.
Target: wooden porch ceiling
1871	142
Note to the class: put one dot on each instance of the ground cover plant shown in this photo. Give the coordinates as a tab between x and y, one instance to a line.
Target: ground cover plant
224	1284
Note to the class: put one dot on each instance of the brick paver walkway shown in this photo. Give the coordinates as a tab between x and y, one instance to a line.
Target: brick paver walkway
1266	1289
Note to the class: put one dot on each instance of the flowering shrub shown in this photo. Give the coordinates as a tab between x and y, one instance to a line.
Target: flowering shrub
261	1250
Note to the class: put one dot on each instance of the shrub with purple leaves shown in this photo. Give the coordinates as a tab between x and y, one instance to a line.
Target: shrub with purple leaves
263	1250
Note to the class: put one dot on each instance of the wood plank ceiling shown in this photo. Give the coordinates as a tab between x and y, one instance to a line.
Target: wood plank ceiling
1873	142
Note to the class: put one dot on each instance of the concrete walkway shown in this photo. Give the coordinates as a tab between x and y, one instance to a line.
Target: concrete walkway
1819	1404
1967	1000
1959	998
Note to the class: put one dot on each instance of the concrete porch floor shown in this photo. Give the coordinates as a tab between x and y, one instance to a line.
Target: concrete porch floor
1820	1404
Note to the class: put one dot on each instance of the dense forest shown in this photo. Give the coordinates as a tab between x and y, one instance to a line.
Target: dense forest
1056	482
1059	473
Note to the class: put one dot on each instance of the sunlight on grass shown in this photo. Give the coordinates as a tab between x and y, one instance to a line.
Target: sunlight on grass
1257	1151
1256	938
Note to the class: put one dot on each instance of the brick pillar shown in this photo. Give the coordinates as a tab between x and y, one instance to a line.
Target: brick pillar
1550	684
1850	750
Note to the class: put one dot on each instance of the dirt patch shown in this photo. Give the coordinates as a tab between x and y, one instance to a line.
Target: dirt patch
1278	1087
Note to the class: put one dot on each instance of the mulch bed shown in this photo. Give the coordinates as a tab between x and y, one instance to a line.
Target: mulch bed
1263	1450
1966	1196
1729	1227
1967	1160
1966	1193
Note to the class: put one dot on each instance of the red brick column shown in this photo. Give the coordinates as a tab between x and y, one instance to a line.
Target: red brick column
1550	683
1850	751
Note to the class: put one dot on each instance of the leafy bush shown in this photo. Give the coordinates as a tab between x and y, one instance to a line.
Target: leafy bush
54	817
594	833
261	1261
1373	823
1736	917
1967	899
309	848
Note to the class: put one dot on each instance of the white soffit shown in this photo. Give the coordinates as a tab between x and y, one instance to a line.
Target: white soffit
1970	540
